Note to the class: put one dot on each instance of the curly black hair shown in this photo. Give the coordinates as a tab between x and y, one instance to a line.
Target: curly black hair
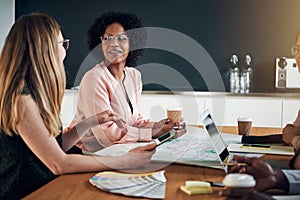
129	21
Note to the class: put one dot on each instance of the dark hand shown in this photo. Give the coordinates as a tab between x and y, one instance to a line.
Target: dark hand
289	132
260	170
243	194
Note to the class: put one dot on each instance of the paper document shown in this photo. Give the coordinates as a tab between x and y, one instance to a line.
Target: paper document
118	149
274	149
193	148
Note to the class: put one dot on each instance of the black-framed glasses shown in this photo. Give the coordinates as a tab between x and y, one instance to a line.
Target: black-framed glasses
120	38
295	49
65	43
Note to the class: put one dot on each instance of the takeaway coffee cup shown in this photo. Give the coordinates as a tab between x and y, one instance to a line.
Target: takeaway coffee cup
244	125
175	114
242	182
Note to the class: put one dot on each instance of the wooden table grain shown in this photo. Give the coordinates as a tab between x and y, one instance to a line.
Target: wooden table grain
258	131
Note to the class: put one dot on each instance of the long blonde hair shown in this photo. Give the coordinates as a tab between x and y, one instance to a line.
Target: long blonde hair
30	59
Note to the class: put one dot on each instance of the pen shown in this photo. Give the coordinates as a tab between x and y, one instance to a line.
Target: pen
216	184
232	164
256	146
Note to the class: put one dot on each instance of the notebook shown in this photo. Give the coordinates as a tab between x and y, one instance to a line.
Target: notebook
273	149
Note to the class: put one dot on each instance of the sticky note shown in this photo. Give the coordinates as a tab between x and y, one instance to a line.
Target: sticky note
196	187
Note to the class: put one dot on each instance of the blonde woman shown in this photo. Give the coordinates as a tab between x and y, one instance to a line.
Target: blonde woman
32	82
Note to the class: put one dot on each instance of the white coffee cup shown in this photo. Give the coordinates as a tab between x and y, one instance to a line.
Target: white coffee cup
175	114
244	125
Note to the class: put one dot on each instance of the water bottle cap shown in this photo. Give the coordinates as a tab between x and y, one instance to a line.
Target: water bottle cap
234	59
248	59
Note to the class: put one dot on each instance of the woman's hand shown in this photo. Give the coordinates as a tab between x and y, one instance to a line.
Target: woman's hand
289	132
72	135
162	127
107	116
181	130
165	126
139	156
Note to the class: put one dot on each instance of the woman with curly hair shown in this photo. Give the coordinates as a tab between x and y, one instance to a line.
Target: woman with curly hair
114	84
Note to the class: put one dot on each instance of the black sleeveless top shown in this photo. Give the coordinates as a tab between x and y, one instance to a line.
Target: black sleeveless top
21	172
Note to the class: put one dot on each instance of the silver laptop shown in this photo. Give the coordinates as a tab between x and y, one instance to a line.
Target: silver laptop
217	141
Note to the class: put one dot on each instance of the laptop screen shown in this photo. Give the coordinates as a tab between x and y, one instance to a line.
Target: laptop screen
217	141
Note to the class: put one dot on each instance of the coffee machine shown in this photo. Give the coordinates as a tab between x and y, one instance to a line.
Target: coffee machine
287	74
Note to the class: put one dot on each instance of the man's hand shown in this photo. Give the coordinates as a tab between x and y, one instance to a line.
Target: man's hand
289	132
261	171
238	194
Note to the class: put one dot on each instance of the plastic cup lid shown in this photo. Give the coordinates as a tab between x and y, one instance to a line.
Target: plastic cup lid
175	108
239	180
245	119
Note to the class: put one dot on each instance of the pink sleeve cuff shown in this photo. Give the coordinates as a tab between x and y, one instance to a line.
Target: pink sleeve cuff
132	135
145	134
135	134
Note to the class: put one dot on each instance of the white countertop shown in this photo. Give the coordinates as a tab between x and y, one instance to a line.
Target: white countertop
207	93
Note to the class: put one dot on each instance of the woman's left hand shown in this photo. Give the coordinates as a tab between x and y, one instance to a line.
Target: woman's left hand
181	130
165	126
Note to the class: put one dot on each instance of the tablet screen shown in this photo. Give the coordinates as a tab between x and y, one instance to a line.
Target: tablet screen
215	136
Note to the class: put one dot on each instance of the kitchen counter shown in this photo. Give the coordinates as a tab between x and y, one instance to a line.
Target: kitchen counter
206	93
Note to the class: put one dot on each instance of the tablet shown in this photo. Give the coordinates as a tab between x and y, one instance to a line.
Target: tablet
216	138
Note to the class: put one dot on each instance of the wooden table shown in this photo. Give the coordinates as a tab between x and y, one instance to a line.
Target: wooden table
255	130
76	186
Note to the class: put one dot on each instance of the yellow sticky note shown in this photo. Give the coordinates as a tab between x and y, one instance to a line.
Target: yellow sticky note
196	187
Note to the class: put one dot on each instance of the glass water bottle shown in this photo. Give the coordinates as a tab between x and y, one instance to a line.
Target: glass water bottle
246	76
234	79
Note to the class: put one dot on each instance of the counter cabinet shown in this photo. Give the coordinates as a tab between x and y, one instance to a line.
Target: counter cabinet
267	110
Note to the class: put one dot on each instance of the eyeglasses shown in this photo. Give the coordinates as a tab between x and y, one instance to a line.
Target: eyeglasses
295	50
65	43
120	38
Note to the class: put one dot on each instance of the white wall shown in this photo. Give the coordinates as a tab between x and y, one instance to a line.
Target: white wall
7	16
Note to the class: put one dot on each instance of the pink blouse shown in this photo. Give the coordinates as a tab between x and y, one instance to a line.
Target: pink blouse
100	91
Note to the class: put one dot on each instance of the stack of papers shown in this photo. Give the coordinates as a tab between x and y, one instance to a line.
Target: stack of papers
148	185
